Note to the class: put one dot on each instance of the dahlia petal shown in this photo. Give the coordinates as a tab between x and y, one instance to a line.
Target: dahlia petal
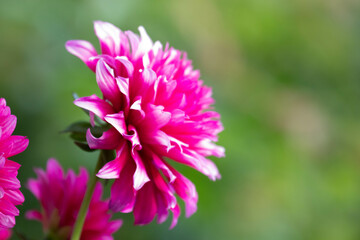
17	145
113	226
122	192
15	196
112	169
54	169
109	37
7	126
34	215
145	44
207	148
155	117
107	83
8	208
5	233
127	64
148	77
176	213
159	164
109	140
2	160
34	187
117	120
136	113
134	42
145	205
11	165
187	191
164	196
140	175
157	137
6	221
123	85
83	50
133	137
10	183
94	104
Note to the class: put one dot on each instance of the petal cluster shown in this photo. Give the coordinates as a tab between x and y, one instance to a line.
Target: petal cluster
60	195
10	145
158	109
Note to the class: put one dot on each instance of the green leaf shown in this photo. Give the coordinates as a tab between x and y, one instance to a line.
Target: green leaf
77	127
84	146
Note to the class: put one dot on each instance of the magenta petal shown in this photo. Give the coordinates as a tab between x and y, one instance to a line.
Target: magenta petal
7	126
159	164
145	205
83	50
123	85
117	120
15	196
34	215
109	140
140	175
8	208
6	221
18	145
122	192
127	64
107	83
176	213
145	43
5	233
113	168
109	37
94	104
155	117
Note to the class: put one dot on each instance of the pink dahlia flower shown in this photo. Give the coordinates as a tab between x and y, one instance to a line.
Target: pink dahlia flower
10	145
157	109
61	195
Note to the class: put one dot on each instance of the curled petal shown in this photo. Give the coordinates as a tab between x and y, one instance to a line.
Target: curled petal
176	213
117	120
113	168
109	140
94	104
83	50
140	175
127	64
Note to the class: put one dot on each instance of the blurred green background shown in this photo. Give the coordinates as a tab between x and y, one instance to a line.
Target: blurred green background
285	75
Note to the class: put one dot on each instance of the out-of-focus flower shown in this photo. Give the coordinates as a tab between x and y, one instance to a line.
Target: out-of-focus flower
10	145
5	234
61	195
157	109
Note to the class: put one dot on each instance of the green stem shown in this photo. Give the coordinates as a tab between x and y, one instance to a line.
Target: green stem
87	198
